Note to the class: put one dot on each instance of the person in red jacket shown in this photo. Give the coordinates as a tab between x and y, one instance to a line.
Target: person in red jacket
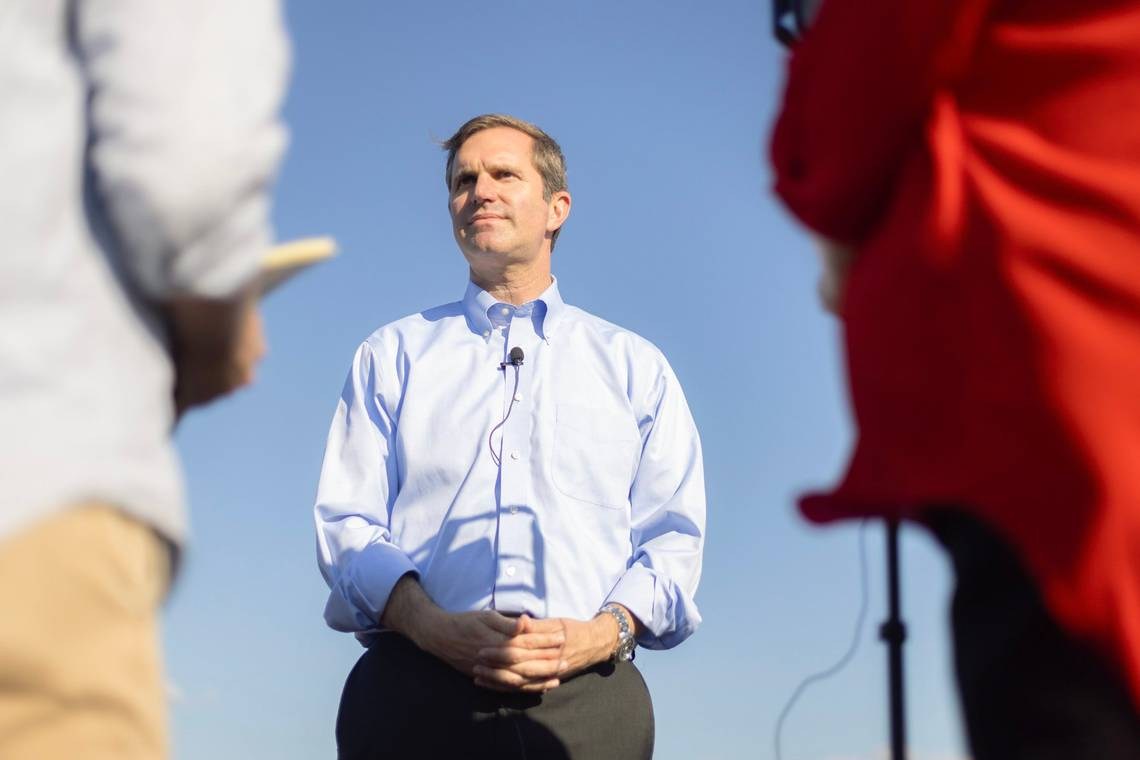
973	168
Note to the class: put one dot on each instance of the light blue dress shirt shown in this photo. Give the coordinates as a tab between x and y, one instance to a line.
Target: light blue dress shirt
592	491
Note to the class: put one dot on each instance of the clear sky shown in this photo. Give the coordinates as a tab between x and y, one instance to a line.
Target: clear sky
663	109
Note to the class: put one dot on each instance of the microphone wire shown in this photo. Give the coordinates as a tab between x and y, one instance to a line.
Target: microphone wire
495	457
847	656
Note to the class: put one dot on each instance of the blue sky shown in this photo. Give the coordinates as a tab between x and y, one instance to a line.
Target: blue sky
663	110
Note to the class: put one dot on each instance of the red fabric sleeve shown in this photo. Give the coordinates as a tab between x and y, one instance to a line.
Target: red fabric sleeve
859	87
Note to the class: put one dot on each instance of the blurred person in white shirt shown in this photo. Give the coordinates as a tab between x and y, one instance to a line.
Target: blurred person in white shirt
138	145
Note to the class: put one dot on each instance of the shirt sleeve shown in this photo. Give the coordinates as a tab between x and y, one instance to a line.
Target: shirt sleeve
859	88
359	482
185	141
668	520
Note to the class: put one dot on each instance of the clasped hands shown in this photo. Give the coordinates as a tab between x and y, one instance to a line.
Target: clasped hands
522	654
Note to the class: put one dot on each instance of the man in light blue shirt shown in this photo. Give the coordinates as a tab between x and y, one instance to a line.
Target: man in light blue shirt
512	496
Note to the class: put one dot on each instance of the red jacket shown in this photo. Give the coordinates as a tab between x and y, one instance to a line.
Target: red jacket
984	157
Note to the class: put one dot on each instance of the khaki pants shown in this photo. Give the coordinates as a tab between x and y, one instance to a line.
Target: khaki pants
80	671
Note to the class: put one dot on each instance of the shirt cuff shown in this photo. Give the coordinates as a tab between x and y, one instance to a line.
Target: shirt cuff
360	596
228	257
642	592
668	617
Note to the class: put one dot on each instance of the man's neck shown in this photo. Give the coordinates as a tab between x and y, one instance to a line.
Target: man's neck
514	288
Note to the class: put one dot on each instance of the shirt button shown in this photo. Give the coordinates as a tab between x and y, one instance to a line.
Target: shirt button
514	510
514	455
504	311
510	571
518	397
486	333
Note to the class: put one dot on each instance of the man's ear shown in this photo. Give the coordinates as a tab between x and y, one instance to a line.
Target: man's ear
558	210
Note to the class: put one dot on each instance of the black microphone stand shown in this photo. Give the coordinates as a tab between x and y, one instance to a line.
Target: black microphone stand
893	633
790	18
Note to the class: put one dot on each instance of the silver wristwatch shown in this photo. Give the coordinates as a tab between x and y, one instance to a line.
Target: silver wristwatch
625	644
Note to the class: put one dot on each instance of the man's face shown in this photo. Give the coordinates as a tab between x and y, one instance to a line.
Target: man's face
497	204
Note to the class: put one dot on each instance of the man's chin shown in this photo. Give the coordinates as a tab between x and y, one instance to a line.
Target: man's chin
482	245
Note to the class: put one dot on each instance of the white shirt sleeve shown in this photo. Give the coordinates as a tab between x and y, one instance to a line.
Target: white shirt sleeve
359	481
185	136
667	500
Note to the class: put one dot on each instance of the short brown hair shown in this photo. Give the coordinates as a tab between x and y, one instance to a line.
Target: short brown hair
546	154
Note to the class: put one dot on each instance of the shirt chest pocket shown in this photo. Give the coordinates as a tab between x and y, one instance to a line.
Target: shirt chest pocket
595	455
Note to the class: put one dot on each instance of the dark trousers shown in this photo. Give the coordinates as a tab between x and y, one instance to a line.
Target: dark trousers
1029	690
400	702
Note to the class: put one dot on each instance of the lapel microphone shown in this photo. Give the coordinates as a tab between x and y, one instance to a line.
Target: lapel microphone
514	359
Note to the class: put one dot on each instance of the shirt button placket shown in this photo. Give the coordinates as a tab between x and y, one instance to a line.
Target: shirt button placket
516	531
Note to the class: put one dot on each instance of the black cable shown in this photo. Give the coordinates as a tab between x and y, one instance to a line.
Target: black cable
498	460
847	656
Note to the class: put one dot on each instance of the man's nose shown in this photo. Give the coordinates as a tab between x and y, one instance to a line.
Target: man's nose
484	187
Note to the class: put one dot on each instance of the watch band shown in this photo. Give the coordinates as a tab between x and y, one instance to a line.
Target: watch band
623	652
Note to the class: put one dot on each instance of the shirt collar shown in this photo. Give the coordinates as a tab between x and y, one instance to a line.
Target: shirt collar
480	308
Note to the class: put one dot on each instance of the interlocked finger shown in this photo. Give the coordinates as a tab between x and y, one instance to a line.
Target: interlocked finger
540	640
511	655
520	674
